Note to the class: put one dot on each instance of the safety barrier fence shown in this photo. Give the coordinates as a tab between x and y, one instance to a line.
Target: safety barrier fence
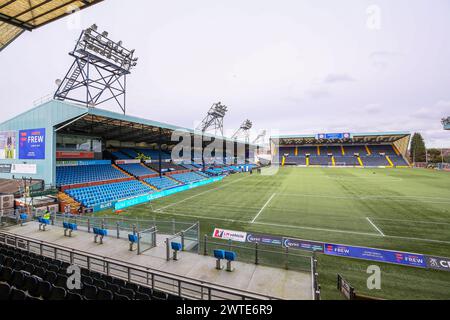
155	279
262	254
315	276
146	239
122	227
187	238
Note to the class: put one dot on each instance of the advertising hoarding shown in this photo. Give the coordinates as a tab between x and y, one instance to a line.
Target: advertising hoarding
264	239
32	144
7	145
303	244
388	256
224	234
438	263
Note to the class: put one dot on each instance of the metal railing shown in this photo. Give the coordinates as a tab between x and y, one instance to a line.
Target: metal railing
188	239
146	240
315	276
257	253
155	279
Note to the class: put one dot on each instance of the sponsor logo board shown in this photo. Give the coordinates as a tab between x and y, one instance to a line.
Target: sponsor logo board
32	144
230	235
438	263
303	244
396	257
264	239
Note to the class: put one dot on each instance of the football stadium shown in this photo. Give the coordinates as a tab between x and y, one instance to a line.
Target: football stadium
137	209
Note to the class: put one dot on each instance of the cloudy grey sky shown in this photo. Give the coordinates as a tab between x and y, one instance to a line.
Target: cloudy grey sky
294	66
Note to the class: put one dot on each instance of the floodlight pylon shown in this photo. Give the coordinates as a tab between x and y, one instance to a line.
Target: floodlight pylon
98	73
214	119
244	130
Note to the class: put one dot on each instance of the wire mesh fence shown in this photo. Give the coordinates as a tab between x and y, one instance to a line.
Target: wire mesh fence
261	254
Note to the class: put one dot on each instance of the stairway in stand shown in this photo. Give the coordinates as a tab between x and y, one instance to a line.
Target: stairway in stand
66	200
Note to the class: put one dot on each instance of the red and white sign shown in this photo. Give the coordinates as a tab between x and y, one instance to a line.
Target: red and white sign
230	235
74	155
127	161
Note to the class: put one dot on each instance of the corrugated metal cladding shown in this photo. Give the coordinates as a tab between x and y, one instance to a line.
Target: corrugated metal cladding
46	116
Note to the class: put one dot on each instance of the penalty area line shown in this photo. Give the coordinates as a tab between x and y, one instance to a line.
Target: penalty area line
375	226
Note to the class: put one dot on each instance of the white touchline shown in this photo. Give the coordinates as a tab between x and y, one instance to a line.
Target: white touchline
263	207
376	228
199	194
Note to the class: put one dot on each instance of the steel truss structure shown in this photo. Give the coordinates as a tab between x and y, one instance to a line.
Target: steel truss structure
214	119
99	71
244	130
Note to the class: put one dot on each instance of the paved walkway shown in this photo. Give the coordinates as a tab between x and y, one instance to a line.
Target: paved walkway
275	282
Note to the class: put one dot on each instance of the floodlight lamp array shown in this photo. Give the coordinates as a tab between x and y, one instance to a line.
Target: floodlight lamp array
98	44
218	110
247	125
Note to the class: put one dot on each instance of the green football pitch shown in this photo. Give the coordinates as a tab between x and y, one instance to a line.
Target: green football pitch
399	209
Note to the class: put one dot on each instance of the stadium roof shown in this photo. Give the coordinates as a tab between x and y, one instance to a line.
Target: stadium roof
355	138
68	118
19	15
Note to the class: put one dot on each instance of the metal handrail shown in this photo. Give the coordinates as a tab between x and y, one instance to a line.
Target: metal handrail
108	264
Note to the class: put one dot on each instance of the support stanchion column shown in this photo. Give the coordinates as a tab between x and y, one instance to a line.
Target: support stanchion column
182	240
286	257
167	249
205	242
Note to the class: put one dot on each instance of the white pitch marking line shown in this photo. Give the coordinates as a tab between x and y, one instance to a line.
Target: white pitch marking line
374	225
318	229
396	198
264	206
199	194
308	228
415	221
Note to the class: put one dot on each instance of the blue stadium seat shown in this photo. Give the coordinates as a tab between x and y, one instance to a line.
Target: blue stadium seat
137	170
96	195
188	177
84	174
162	183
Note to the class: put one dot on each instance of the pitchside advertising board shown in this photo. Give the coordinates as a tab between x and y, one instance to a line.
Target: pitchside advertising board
303	244
372	254
32	144
438	263
396	257
264	239
224	234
